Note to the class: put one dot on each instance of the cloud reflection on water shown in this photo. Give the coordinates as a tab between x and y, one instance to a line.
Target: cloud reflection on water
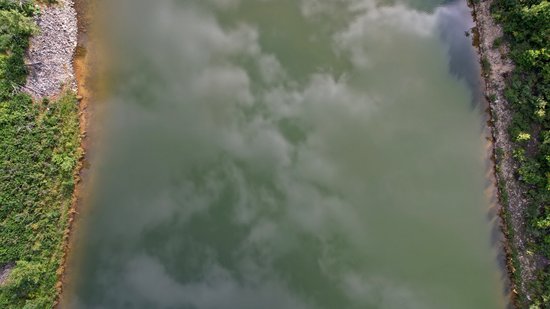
229	182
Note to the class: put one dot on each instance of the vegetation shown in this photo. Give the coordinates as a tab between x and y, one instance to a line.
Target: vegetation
39	150
526	25
485	66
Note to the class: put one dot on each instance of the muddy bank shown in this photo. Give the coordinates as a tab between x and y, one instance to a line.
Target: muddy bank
511	195
85	66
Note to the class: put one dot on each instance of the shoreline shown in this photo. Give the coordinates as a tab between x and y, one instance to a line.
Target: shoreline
58	64
510	194
85	62
81	73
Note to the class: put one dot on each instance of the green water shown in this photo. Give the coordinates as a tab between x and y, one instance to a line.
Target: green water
289	154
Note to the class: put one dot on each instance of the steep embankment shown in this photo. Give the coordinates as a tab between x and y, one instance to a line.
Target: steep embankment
39	148
516	141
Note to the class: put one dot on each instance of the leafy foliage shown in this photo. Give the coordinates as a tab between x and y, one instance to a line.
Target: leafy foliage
527	29
38	155
16	26
39	150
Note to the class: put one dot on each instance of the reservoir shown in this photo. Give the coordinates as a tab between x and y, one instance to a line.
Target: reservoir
289	154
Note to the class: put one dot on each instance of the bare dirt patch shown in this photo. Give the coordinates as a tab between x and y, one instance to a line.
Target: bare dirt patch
5	271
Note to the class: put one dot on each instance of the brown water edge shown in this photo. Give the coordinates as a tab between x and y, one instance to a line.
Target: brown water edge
496	117
83	74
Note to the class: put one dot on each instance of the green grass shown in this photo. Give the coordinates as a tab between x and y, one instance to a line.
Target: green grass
485	66
39	151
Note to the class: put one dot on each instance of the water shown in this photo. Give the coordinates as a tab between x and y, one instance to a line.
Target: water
290	154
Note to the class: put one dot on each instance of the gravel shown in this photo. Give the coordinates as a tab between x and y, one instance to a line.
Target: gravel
50	55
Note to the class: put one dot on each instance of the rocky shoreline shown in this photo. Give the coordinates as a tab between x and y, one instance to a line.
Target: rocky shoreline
50	55
511	194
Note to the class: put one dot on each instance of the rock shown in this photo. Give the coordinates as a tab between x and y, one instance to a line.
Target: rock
52	49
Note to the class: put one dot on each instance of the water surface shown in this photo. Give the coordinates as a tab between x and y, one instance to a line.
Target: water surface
290	154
